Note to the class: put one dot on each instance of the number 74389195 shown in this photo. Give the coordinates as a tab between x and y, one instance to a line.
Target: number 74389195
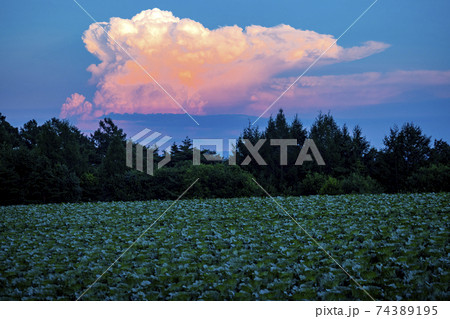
407	310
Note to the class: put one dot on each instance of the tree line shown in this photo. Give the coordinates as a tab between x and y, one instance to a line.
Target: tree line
56	162
407	162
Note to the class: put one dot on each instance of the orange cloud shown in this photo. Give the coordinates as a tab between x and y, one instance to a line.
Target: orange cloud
76	104
207	71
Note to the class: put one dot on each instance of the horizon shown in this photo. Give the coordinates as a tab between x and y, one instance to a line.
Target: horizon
373	129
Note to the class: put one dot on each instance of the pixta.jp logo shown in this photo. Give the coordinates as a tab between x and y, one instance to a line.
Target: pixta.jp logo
146	140
151	141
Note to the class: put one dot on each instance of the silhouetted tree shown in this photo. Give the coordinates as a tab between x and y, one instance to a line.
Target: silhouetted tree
404	152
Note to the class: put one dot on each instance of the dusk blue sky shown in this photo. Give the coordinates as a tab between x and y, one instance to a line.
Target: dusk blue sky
44	61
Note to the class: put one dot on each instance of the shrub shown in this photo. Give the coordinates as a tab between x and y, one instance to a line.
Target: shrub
220	181
90	186
435	178
331	187
358	184
312	184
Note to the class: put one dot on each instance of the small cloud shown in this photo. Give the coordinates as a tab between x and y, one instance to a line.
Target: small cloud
76	105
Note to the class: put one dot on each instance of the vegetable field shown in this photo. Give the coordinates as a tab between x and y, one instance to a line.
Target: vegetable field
395	246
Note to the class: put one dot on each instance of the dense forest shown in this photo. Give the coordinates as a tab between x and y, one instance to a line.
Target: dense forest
56	162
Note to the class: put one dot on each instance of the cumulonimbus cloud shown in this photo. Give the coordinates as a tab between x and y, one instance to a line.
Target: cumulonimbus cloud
228	69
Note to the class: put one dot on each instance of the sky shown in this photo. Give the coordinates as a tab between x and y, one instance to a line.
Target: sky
225	63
